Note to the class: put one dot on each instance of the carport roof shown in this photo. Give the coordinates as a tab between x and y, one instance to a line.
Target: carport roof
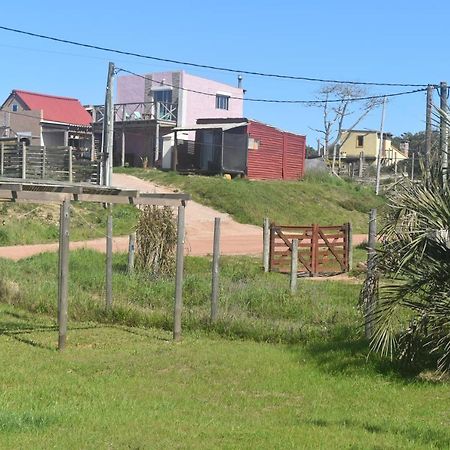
212	126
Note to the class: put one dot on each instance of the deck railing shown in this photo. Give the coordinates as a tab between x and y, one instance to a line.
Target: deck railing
124	112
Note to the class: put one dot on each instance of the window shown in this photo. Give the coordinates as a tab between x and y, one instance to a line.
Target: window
15	107
253	144
163	96
222	101
360	141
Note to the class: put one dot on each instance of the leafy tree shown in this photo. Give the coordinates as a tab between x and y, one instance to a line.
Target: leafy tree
311	152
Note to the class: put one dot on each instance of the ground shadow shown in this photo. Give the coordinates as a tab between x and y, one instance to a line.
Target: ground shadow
345	351
427	437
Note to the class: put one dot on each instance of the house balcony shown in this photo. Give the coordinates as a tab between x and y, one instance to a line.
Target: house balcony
138	112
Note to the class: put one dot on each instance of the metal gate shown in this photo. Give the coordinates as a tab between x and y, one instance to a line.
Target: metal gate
322	250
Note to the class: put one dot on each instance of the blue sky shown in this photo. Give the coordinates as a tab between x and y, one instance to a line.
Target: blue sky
383	41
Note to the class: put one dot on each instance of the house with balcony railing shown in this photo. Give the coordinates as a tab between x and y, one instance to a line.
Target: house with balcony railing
149	107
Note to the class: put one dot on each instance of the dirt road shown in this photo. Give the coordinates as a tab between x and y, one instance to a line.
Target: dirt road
236	238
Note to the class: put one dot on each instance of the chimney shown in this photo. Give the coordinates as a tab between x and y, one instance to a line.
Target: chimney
239	84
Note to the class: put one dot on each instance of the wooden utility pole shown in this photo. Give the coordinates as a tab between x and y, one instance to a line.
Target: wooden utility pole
179	275
380	149
215	271
443	136
108	129
63	275
106	174
428	130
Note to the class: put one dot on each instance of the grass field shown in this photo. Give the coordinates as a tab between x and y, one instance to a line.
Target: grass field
117	387
318	198
39	223
253	305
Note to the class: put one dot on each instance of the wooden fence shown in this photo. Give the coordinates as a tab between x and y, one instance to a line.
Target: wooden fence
321	250
46	163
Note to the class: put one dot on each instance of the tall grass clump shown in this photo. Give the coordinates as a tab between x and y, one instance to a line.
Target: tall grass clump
156	238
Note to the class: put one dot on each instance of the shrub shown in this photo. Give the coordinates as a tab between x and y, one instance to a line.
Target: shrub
156	238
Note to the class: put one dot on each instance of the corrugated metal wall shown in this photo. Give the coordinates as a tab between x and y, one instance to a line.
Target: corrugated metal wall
280	155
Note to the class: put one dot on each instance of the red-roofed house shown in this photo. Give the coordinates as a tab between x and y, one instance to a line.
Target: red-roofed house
46	120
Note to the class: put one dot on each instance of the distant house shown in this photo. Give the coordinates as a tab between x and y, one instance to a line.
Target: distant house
148	108
367	142
46	120
239	146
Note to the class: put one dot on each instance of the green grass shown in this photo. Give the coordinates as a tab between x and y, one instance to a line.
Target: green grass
316	199
33	223
278	371
253	305
119	387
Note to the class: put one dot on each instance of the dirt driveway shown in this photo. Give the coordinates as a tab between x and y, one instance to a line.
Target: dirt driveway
236	238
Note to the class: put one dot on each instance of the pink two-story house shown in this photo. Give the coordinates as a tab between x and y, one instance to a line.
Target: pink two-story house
149	107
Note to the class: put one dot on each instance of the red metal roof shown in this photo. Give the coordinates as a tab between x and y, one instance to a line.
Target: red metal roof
56	109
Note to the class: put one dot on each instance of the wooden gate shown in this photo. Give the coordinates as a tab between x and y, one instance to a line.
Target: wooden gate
321	250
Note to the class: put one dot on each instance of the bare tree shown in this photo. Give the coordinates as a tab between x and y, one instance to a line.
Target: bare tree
340	107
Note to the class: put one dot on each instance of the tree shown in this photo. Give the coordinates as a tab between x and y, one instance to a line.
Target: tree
311	152
412	312
416	141
341	111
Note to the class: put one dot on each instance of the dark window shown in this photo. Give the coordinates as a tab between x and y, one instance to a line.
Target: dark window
163	96
15	107
360	141
222	101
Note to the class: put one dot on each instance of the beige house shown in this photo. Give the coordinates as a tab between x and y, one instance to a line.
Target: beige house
45	120
367	142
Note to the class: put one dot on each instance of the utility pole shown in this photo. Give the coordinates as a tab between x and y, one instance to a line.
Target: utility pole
106	175
380	149
108	130
443	137
428	130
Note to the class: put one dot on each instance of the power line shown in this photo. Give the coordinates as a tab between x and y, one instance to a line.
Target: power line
265	100
206	66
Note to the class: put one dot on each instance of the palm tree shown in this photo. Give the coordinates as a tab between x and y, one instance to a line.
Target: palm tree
412	311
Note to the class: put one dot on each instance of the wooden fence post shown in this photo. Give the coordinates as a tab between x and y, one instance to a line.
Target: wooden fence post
109	252
179	274
63	275
24	161
266	244
349	246
371	261
131	250
294	266
215	270
361	165
2	159
70	165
